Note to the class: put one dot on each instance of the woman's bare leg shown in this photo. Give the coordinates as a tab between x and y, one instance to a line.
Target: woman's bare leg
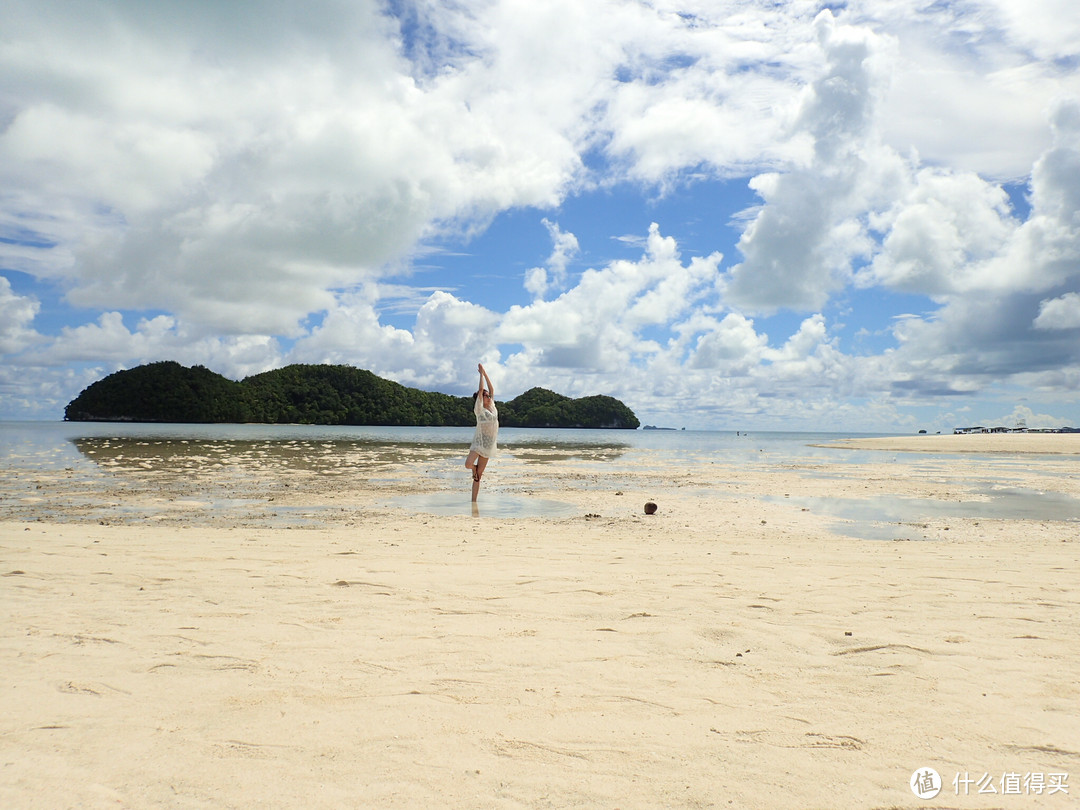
478	473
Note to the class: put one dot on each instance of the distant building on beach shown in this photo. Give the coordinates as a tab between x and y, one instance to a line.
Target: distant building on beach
1017	429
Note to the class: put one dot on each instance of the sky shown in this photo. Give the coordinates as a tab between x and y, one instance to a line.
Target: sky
730	214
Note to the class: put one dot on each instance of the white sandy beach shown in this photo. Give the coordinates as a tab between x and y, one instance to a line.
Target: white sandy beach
730	651
1027	443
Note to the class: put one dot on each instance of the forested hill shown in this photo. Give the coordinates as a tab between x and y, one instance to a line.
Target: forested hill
317	395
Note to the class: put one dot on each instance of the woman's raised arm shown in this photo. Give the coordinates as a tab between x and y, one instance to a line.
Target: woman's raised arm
485	378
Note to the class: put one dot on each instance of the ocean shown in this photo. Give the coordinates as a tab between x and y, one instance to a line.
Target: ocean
58	443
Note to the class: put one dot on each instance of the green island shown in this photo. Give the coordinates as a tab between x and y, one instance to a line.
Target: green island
318	395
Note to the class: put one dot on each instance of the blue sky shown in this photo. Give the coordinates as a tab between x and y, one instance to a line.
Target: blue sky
734	215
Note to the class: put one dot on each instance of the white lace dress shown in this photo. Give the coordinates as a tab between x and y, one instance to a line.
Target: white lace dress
487	429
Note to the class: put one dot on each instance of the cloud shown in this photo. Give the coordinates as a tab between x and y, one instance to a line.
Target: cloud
40	393
944	230
538	280
960	64
1059	313
111	343
857	213
17	313
941	234
731	346
240	183
997	321
800	246
253	160
447	340
1023	416
597	324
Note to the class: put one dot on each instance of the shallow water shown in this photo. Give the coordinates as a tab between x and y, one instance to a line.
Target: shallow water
889	517
60	442
278	474
493	504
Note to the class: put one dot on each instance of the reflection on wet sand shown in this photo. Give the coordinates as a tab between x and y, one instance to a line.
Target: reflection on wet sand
319	456
536	452
888	517
266	482
493	504
287	481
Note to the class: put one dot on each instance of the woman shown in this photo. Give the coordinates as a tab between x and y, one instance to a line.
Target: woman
487	430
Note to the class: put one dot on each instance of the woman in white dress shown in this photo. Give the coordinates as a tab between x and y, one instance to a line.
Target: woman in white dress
484	443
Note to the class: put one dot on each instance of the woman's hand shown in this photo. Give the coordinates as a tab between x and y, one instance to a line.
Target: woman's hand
485	378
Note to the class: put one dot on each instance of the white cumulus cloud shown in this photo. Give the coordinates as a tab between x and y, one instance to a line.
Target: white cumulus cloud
1059	313
17	313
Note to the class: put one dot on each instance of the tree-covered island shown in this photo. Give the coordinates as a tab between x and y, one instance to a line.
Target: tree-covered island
318	395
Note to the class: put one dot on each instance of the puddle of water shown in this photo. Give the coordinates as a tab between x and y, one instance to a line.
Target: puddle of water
492	504
883	517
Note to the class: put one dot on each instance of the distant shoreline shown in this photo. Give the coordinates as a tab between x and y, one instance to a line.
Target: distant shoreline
1027	443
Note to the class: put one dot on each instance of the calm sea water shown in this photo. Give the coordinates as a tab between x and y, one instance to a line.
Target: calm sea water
57	443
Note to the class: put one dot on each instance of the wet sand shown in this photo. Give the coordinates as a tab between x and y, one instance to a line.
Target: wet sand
1026	443
254	631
